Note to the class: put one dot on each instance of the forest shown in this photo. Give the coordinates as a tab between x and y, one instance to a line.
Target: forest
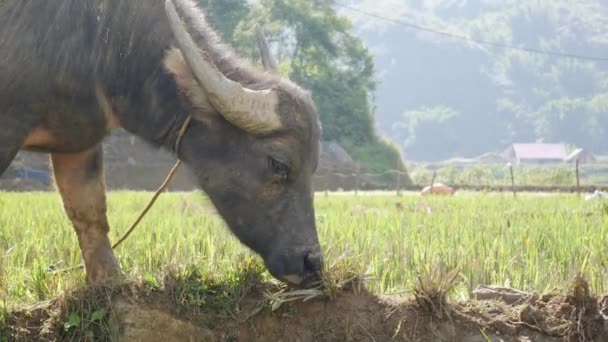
440	96
437	79
316	47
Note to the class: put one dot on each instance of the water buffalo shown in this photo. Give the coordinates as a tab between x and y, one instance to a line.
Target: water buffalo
71	70
438	189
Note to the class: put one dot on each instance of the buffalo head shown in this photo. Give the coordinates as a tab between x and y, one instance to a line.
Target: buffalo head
254	145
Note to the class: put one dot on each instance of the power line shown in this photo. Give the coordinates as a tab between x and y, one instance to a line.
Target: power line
469	39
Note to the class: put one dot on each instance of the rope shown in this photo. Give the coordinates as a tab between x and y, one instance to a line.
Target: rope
163	186
160	190
150	204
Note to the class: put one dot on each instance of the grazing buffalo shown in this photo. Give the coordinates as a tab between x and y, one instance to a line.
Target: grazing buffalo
71	70
438	189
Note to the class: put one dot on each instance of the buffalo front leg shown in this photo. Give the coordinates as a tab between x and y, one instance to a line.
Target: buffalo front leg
79	179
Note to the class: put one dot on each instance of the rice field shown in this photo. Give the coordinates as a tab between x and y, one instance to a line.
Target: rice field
532	242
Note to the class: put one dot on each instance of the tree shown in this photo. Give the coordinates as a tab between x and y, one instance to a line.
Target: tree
432	131
316	49
224	15
502	95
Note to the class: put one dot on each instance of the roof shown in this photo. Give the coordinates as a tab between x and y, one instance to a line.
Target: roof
578	153
540	151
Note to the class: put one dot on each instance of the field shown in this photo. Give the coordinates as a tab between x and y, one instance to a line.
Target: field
403	248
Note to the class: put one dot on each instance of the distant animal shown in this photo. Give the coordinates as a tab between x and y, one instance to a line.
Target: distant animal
438	189
597	195
72	70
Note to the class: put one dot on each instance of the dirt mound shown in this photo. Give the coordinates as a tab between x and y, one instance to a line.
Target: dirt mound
146	314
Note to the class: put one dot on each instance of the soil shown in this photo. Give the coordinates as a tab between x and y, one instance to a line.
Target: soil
138	313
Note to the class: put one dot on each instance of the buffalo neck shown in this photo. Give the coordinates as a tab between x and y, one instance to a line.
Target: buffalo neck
129	64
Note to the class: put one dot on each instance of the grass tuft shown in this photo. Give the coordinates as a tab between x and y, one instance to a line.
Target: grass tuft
4	322
195	289
432	289
585	313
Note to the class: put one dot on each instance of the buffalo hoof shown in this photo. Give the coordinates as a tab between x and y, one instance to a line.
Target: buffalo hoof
107	277
104	269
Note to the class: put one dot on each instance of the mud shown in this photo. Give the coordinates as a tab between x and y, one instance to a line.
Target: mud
145	314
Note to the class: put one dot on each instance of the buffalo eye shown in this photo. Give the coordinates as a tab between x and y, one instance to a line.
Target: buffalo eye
278	168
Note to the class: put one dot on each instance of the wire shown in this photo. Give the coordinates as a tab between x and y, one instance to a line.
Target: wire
478	41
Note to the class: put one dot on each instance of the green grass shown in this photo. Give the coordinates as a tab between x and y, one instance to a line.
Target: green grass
530	243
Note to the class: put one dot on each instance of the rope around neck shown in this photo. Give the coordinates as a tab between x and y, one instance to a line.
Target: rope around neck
162	188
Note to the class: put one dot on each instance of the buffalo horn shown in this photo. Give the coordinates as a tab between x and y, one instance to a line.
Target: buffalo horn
254	111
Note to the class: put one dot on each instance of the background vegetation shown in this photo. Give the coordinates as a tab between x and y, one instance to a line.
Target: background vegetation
316	47
435	96
443	97
560	175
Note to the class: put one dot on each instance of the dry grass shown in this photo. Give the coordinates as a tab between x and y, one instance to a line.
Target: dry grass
432	289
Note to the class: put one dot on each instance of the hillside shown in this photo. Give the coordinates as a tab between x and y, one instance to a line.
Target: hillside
442	97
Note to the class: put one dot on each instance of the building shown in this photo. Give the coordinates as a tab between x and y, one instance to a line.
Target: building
581	155
536	153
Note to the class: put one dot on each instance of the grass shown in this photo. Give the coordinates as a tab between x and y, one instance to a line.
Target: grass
530	243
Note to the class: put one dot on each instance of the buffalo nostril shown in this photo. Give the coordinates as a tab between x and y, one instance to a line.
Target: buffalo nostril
313	262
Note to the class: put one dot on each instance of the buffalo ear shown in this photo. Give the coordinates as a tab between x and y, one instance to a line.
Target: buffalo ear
187	84
267	60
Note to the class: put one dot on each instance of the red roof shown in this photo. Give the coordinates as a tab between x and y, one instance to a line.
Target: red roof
540	151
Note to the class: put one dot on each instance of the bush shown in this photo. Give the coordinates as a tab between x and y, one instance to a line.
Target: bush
478	175
421	176
559	175
448	175
379	157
